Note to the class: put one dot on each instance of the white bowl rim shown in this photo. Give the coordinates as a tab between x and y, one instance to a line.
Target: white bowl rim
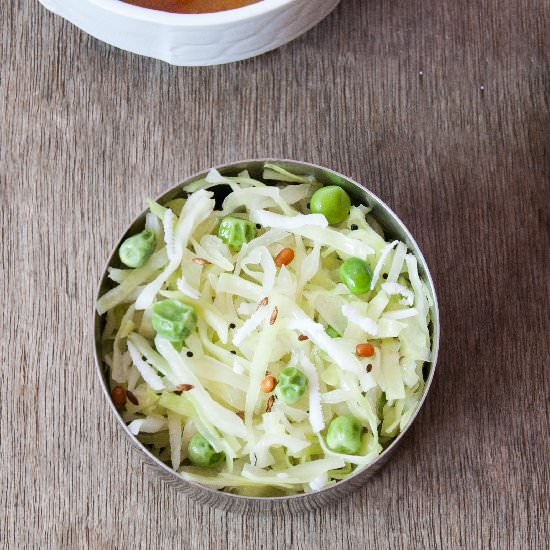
191	19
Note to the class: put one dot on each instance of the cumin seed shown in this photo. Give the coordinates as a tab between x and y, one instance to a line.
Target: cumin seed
184	387
132	398
269	403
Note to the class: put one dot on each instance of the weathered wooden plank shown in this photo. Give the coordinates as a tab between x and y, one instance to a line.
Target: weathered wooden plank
441	108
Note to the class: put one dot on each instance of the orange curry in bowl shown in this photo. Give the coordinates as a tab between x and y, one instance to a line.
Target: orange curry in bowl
191	6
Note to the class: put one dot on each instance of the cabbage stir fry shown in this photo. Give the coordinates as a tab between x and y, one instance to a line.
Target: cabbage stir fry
270	347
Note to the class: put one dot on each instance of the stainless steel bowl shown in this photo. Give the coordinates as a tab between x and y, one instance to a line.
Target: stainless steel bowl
393	228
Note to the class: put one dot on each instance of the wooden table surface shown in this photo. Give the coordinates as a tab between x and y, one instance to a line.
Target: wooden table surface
439	107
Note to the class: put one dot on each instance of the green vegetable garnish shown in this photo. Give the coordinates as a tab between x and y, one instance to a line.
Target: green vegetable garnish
344	435
136	250
331	201
173	320
235	232
291	385
201	453
356	275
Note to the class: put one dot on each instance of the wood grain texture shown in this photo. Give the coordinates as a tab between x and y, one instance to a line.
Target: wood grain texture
439	107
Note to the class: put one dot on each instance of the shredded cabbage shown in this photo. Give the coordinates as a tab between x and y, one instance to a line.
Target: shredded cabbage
256	318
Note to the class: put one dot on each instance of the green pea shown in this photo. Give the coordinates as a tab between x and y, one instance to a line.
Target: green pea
173	320
201	453
291	385
136	250
235	232
344	435
332	332
356	274
331	201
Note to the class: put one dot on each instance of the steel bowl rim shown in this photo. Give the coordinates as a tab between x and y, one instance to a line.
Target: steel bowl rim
395	442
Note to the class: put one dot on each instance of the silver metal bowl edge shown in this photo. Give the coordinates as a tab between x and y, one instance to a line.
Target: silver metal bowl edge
393	227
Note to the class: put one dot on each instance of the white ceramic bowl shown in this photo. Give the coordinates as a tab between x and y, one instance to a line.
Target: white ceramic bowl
195	39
